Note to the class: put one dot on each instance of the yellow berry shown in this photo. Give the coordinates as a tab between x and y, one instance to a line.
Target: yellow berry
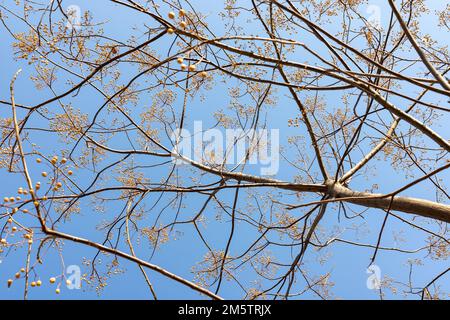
182	13
52	280
22	270
14	229
10	281
25	210
6	199
30	241
38	160
183	66
36	203
183	24
10	220
38	283
58	291
70	172
44	174
170	31
68	282
3	241
203	74
59	185
63	160
192	68
171	15
180	60
27	236
12	199
17	275
33	284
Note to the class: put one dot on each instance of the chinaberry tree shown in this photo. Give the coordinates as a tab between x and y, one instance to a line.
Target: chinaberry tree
357	91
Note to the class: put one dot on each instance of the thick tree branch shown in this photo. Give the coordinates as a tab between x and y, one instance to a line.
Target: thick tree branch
424	208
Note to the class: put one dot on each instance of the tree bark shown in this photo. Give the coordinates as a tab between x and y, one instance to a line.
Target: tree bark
420	207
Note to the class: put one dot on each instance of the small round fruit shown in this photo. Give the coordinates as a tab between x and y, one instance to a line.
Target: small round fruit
14	229
59	185
70	172
12	199
203	74
10	281
10	220
192	68
5	199
52	280
33	284
183	66
38	160
57	291
25	210
183	24
171	15
17	275
68	282
170	31
63	160
30	241
22	270
3	241
180	60
36	203
182	13
44	174
39	283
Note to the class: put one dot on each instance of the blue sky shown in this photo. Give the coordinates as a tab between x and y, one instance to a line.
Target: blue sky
347	264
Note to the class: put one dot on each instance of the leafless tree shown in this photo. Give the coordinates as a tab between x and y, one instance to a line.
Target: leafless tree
356	99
